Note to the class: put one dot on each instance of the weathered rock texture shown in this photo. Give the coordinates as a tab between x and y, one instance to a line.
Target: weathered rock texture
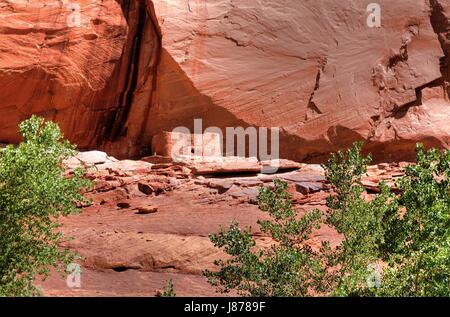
313	68
91	75
148	222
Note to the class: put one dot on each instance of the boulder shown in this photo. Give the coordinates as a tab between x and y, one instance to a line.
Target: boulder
309	187
144	210
93	157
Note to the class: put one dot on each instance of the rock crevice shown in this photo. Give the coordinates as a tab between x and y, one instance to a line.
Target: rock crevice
130	118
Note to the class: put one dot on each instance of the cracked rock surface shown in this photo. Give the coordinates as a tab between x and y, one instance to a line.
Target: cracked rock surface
313	68
132	241
132	69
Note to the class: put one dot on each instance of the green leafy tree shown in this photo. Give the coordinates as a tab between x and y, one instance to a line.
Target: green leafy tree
34	193
288	268
393	245
418	236
409	233
362	223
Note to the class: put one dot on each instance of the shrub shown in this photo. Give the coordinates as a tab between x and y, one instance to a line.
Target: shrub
393	245
168	290
34	193
418	239
362	223
289	268
408	234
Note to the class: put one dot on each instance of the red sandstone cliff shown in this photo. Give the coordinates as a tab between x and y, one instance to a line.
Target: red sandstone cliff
131	69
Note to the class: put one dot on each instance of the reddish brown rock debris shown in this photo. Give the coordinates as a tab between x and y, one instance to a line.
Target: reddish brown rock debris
150	222
133	69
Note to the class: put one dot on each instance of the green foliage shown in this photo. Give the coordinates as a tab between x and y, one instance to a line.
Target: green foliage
392	245
361	222
168	290
344	170
288	268
34	193
419	237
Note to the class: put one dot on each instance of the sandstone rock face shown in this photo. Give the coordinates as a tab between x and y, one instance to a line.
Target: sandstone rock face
130	70
55	66
81	63
313	68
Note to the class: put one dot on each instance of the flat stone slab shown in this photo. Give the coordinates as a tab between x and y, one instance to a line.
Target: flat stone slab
94	157
309	187
126	166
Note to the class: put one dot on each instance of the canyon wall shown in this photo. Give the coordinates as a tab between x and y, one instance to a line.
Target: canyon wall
88	64
132	69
